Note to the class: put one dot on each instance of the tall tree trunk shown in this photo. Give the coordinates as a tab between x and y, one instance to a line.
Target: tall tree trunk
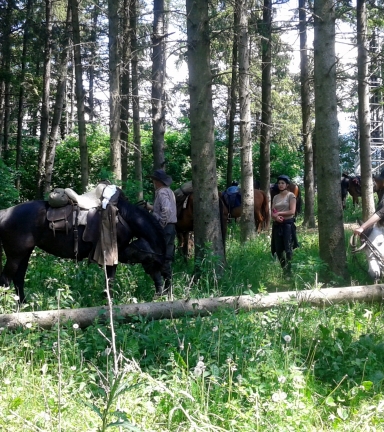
136	101
114	88
58	108
206	200
20	113
330	212
84	164
247	223
2	111
158	77
44	123
6	41
233	97
125	87
266	110
309	178
364	111
91	69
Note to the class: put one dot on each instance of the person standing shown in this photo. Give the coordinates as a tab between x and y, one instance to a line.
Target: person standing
164	210
284	238
379	214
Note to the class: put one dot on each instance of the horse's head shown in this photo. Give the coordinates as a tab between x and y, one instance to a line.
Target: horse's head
375	251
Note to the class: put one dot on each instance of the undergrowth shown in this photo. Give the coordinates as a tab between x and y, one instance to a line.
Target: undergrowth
291	368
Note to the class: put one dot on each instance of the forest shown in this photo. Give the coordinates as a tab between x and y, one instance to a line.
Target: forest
212	91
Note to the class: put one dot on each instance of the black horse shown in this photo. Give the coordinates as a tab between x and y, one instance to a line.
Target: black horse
140	239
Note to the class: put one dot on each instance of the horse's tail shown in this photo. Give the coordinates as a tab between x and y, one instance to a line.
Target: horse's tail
265	212
299	201
223	221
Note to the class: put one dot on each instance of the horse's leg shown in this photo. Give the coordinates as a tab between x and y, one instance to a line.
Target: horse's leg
19	278
14	271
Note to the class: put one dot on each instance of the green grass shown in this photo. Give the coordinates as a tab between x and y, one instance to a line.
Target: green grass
288	369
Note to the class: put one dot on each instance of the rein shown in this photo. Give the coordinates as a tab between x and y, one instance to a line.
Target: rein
373	250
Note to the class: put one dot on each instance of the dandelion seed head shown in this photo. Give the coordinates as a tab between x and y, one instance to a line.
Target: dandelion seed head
287	338
282	379
215	329
75	326
28	325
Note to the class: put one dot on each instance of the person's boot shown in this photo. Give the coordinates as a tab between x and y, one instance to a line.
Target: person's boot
287	269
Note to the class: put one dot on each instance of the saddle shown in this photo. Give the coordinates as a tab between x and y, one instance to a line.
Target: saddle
81	210
232	199
182	195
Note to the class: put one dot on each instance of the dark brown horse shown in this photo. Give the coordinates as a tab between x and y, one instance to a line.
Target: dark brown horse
25	226
352	185
261	210
292	187
184	226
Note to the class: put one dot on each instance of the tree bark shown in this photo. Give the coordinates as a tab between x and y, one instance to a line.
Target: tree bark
85	317
125	88
206	211
233	97
309	175
80	96
58	108
44	123
266	88
247	221
158	78
6	80
20	112
330	212
136	102
364	111
114	88
91	68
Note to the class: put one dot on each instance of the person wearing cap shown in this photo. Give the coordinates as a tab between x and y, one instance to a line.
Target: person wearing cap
379	214
284	238
164	210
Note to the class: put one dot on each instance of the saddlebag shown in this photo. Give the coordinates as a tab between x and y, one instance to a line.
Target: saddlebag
61	219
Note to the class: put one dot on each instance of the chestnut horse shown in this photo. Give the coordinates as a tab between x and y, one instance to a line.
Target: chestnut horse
261	209
184	226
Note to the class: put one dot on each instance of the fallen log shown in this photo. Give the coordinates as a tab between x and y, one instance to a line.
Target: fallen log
85	317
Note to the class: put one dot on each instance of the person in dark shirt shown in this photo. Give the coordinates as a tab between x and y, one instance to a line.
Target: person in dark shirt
379	214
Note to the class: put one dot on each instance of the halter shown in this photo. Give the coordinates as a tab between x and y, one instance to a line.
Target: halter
373	251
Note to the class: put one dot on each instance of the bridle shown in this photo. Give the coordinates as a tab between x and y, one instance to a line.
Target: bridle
373	251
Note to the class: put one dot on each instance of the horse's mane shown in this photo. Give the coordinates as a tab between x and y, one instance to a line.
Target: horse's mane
142	223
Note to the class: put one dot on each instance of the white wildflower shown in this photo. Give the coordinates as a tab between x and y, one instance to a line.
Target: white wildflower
16	297
282	379
75	326
215	329
279	396
28	325
73	368
7	381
